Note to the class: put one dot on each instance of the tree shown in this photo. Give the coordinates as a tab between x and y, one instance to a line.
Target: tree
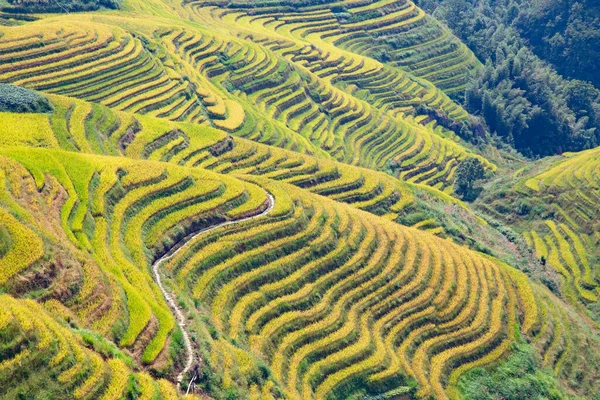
522	98
468	173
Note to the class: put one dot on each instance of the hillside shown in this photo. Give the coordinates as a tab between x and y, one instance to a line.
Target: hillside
563	33
263	200
538	90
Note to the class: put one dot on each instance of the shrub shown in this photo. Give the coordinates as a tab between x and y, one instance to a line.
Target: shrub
519	377
471	129
46	6
523	206
20	100
5	240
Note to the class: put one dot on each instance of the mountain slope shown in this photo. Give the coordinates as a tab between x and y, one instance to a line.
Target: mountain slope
263	298
254	187
188	74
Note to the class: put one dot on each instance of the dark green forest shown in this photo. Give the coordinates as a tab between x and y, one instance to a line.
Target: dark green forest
563	32
537	90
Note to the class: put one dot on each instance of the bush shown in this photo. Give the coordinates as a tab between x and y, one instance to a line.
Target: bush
62	6
471	129
5	240
523	206
519	377
20	100
411	218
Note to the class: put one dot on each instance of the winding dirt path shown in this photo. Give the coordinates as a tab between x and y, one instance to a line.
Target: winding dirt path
170	298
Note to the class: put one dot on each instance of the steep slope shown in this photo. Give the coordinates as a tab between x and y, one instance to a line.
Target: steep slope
92	218
395	32
80	126
130	197
556	208
536	107
252	189
271	88
41	357
274	285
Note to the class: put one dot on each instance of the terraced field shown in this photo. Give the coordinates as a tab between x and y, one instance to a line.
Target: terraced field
244	197
276	90
316	291
350	129
569	241
60	360
574	184
266	295
104	64
102	131
556	211
392	31
115	208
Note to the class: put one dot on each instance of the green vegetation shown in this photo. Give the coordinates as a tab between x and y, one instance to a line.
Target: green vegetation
48	6
19	100
468	172
5	241
521	98
562	33
210	149
519	377
288	258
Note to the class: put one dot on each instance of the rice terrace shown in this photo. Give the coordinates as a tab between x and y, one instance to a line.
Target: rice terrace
299	199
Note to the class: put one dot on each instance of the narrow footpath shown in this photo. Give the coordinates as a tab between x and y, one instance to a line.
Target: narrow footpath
170	298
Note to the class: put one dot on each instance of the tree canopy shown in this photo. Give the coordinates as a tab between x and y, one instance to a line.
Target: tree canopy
469	171
522	98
